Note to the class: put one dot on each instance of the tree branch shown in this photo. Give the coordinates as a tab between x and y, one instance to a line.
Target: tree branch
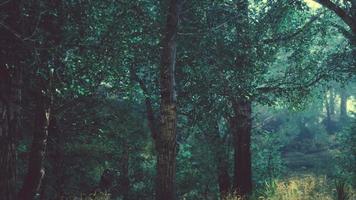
339	12
289	36
149	108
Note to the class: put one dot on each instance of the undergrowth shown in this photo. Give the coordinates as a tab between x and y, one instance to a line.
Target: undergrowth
306	187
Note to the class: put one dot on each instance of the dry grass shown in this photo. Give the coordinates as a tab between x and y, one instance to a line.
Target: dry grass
298	188
306	187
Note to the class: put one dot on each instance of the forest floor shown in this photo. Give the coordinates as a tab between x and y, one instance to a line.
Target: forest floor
306	187
309	178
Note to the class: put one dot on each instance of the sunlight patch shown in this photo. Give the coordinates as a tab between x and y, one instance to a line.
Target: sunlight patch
312	4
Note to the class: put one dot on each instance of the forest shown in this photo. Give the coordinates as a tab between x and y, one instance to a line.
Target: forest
177	100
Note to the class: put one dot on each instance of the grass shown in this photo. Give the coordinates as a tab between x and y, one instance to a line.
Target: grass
306	187
299	187
93	196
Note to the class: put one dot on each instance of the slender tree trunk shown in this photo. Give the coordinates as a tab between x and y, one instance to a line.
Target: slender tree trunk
331	101
166	141
328	114
241	125
343	105
10	97
124	175
51	24
222	165
327	108
164	132
36	172
11	55
56	156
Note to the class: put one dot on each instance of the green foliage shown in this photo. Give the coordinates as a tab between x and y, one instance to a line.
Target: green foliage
280	55
267	159
345	156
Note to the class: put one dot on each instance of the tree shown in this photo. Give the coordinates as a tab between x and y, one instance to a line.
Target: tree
14	49
165	141
49	25
348	16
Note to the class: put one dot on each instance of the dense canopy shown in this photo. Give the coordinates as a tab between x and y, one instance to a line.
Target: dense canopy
177	99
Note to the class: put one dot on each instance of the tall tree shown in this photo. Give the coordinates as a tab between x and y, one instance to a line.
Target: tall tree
241	121
49	26
166	140
13	49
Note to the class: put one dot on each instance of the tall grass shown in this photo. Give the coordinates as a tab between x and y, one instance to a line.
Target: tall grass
298	188
307	187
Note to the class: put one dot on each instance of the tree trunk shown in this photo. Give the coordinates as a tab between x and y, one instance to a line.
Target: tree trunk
331	102
328	121
166	141
8	127
241	121
223	178
36	172
11	54
9	119
56	156
51	24
343	105
241	125
327	108
124	174
221	156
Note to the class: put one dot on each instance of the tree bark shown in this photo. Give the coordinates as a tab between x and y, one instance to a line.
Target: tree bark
51	24
10	97
241	122
241	125
223	178
11	55
166	140
36	172
56	156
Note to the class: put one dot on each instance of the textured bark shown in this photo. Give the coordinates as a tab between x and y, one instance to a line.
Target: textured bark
11	54
36	172
56	157
166	141
9	127
223	178
241	120
51	24
241	125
